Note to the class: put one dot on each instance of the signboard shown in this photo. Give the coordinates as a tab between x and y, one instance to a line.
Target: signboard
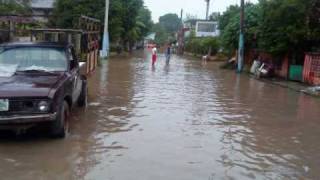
207	29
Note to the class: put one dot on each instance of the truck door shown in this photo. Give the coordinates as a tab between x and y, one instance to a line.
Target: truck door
75	75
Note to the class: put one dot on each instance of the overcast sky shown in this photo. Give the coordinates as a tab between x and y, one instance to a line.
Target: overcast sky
193	7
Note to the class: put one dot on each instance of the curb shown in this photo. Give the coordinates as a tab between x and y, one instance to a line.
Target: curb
288	87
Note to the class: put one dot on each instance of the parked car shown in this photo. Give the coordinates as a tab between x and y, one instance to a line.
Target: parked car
39	84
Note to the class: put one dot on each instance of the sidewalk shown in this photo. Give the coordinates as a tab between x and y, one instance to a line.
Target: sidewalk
295	86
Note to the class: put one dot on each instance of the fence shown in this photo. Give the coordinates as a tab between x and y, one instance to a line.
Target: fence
85	37
311	71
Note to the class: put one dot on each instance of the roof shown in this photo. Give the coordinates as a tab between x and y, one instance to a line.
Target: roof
57	30
194	21
36	44
151	36
42	4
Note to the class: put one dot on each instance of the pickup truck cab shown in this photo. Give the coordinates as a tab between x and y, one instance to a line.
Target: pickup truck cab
39	84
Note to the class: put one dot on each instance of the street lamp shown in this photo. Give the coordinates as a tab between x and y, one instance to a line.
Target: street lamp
105	41
208	6
241	40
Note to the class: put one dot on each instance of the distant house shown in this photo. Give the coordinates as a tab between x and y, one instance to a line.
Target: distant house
42	9
150	38
202	28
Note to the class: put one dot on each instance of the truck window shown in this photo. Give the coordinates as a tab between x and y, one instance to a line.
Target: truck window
35	58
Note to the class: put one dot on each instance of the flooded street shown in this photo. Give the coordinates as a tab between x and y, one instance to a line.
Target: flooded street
177	121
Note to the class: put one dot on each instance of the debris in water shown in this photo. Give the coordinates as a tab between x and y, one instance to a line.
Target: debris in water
95	104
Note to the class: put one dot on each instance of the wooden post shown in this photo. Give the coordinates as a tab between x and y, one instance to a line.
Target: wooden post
78	43
69	38
96	57
88	63
11	30
92	60
31	36
56	37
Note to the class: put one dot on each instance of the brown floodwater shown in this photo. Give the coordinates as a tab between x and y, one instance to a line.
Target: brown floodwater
177	121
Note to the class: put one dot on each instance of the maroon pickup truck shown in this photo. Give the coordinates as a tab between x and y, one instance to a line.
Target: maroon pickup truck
39	84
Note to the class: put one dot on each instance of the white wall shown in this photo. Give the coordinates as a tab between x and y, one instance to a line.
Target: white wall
207	29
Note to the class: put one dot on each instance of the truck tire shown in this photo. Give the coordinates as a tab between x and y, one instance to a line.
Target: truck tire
60	127
83	98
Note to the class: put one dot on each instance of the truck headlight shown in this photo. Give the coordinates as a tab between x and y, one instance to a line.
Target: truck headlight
43	106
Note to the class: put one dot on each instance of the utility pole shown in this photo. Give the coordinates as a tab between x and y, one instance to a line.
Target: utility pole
208	7
181	35
105	41
241	40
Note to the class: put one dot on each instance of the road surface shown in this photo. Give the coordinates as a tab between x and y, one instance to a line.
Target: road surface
177	121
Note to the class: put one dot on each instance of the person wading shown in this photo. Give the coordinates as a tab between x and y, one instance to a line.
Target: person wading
154	55
168	53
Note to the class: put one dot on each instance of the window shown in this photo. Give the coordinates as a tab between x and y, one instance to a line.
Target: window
34	58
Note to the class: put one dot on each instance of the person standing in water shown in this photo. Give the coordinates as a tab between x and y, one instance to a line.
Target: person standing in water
154	55
168	53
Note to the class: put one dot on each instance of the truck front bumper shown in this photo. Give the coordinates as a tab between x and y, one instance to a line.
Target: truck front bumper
27	119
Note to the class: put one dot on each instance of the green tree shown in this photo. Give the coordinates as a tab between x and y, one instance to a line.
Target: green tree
170	22
129	20
67	12
214	16
11	7
229	24
144	21
162	36
116	13
279	27
282	25
288	25
166	29
225	18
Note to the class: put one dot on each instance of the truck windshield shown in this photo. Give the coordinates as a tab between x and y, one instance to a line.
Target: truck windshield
34	58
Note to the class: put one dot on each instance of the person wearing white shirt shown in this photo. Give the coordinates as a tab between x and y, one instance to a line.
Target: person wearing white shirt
154	55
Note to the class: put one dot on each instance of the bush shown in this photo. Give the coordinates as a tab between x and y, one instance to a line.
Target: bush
202	45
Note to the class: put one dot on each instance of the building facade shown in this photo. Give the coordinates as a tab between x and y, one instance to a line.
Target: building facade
42	9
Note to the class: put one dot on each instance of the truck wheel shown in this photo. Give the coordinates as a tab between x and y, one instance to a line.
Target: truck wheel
60	127
83	98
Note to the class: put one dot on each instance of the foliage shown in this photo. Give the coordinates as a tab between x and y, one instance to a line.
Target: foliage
275	26
129	20
284	27
131	11
166	29
8	7
144	21
230	13
162	35
215	16
202	45
67	12
229	24
170	22
117	12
